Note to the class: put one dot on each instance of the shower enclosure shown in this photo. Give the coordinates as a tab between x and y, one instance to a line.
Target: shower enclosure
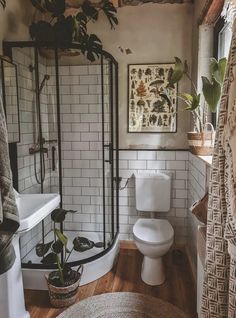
69	144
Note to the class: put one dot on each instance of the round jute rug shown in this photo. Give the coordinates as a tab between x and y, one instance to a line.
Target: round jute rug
122	305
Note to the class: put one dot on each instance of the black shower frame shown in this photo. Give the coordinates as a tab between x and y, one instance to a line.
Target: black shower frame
7	50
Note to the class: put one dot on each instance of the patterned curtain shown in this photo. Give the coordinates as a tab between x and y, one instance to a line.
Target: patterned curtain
219	289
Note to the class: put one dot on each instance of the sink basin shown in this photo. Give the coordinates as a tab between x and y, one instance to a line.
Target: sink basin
33	208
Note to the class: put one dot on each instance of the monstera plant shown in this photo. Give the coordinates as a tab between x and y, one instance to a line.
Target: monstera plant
63	26
63	283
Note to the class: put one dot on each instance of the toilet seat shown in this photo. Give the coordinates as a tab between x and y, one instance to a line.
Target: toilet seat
153	231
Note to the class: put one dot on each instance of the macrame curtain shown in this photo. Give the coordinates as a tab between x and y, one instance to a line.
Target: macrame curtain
219	289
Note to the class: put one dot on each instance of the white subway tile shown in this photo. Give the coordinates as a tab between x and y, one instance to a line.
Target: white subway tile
137	164
175	165
156	165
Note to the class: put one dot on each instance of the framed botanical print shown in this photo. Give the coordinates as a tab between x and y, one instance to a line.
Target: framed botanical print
149	110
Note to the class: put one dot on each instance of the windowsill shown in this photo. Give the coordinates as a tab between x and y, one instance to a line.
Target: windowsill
206	159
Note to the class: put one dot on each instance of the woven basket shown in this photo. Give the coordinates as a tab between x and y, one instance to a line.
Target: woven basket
64	296
201	144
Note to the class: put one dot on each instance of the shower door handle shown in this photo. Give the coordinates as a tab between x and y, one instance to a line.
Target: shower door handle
109	147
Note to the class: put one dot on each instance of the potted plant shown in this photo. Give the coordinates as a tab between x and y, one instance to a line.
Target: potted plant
201	140
62	25
63	282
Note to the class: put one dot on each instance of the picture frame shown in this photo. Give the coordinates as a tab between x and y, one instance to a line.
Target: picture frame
148	109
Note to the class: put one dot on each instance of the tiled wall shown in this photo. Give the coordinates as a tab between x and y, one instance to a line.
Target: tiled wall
174	163
199	173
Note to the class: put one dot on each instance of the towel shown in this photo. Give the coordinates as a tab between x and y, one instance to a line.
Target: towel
9	217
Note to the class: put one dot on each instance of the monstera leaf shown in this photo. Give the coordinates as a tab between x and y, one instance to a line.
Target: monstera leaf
82	25
91	47
55	7
89	10
110	12
42	31
38	4
63	29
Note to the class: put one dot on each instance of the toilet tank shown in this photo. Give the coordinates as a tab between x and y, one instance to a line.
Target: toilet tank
152	192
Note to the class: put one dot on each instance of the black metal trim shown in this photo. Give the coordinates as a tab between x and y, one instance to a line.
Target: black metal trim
111	149
76	263
38	112
153	149
36	45
117	147
103	156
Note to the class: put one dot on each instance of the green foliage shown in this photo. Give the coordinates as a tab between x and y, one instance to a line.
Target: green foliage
64	30
58	251
212	92
179	70
211	88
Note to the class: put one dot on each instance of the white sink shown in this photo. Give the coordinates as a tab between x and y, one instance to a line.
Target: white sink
33	208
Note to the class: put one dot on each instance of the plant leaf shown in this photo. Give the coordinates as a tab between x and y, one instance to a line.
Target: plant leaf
42	31
192	101
55	7
218	69
211	92
110	12
91	47
57	247
61	237
178	71
38	4
82	24
82	244
99	244
42	249
58	215
89	10
51	258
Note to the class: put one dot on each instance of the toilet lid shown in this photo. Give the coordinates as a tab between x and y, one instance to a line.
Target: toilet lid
153	230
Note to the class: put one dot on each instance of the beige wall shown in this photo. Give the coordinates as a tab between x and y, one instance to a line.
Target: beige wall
14	21
155	34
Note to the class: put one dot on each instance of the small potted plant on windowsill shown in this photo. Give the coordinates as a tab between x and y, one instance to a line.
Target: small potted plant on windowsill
201	140
63	283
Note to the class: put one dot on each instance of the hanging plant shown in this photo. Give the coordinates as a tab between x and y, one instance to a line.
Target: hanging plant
63	28
3	3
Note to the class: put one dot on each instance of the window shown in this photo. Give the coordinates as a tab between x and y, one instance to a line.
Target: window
222	41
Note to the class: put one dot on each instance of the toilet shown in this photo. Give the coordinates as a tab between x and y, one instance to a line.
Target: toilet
153	237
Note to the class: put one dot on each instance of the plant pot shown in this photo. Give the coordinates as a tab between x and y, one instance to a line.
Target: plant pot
201	144
64	296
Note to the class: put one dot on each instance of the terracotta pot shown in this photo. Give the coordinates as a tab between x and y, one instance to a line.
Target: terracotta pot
64	296
201	144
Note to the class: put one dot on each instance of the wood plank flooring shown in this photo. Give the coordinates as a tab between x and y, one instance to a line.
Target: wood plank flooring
179	288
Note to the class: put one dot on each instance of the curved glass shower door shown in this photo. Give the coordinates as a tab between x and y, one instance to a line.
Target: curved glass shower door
76	102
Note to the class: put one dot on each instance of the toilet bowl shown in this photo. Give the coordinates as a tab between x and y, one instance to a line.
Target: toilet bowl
153	238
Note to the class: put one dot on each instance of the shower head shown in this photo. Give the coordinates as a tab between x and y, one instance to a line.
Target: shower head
46	78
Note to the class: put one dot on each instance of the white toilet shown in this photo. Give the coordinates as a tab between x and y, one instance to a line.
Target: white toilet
153	237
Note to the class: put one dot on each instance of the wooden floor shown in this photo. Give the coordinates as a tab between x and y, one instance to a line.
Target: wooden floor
178	289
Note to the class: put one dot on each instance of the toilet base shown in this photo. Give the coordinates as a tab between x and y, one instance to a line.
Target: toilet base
152	272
